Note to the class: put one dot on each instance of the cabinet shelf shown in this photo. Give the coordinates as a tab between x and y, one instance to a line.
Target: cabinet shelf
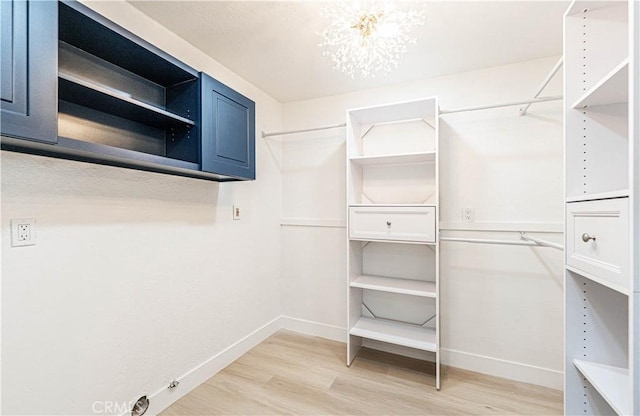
398	333
394	285
394	159
105	99
611	382
611	89
621	193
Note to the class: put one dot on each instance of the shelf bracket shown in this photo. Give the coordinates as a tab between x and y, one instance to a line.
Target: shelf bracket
396	320
369	198
429	197
369	310
428	320
428	124
367	132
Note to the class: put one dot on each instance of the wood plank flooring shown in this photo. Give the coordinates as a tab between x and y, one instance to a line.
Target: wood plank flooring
294	374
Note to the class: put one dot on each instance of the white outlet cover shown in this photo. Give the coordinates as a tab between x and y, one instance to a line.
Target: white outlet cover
468	215
236	212
15	232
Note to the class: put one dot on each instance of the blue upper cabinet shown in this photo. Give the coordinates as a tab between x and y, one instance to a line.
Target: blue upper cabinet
76	85
29	54
228	130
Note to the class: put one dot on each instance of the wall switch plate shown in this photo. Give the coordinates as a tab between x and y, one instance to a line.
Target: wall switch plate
236	212
468	215
23	232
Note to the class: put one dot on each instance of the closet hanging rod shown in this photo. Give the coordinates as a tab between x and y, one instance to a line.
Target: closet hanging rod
282	133
523	110
511	104
528	241
488	241
547	80
540	242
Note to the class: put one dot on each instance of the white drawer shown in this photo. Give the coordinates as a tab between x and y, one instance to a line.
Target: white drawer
598	240
410	223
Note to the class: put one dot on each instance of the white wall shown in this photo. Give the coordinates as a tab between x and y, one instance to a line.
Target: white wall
501	306
137	278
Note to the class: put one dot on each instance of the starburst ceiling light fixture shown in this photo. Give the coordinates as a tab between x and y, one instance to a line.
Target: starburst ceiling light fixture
368	37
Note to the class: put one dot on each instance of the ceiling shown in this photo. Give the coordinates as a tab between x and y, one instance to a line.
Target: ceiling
274	44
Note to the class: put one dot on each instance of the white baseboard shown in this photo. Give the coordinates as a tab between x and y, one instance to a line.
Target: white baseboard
317	329
502	368
192	379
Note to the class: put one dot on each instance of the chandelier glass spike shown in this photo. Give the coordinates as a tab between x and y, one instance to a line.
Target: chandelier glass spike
368	37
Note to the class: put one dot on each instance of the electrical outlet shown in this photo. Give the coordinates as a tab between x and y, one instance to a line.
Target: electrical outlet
236	212
468	215
23	232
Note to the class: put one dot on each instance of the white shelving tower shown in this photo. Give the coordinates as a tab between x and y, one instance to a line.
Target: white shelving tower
602	174
392	232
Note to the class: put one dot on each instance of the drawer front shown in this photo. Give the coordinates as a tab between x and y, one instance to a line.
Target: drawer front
416	224
598	239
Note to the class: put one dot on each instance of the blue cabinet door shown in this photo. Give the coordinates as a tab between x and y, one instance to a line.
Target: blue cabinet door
29	72
228	130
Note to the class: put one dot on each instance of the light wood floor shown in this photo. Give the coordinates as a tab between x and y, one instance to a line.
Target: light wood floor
293	374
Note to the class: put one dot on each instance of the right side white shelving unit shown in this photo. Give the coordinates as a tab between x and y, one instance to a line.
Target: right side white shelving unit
602	318
392	217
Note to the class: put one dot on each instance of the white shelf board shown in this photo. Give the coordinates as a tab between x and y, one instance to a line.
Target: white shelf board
392	205
396	333
621	193
394	159
611	382
604	282
402	286
382	240
612	88
577	7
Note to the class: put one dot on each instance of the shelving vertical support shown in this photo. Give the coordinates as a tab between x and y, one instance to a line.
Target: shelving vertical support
634	162
602	168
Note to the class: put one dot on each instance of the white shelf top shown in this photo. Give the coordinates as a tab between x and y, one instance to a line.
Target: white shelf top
390	205
395	159
622	193
406	110
604	282
396	333
611	382
402	286
612	88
